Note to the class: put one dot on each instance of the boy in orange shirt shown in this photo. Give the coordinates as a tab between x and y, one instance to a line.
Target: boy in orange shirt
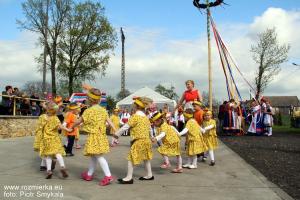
70	119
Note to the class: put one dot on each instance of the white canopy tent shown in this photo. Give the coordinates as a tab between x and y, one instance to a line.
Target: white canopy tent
157	98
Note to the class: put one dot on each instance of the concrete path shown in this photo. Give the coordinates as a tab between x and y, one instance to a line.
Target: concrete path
230	179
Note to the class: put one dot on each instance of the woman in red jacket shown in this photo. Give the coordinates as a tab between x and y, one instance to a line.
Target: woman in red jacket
189	95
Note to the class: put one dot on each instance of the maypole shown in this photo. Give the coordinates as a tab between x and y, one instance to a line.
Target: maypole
209	56
207	6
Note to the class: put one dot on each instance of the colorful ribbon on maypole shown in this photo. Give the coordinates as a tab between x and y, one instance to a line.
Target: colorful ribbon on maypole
226	61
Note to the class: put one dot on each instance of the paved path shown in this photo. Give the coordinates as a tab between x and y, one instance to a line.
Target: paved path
230	179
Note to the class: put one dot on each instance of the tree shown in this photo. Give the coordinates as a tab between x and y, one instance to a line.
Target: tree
85	46
205	101
170	93
31	87
37	21
63	87
111	102
268	54
121	95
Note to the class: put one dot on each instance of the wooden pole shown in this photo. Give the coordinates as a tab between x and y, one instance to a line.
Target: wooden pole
45	49
14	110
209	57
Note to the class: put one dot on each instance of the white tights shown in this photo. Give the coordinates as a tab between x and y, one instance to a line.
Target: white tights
59	159
211	155
179	161
130	170
103	164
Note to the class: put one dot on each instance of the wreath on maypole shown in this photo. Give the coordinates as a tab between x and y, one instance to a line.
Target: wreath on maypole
205	5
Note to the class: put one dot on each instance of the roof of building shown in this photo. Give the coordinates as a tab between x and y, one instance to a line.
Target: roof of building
283	101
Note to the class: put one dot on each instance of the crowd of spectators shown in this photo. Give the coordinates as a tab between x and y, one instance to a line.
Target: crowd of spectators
27	105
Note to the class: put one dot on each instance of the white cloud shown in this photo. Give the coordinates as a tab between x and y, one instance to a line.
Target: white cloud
152	58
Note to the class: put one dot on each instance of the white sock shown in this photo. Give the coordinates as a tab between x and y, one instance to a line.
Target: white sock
211	155
166	159
60	160
129	171
92	166
48	163
179	162
43	163
194	160
270	130
104	165
148	168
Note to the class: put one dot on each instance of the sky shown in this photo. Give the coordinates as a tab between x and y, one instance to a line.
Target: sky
166	44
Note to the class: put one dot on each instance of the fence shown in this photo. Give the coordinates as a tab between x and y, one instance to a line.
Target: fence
14	98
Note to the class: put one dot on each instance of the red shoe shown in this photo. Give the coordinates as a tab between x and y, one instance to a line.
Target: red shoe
106	180
165	165
86	177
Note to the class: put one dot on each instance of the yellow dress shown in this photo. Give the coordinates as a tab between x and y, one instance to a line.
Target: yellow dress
94	124
51	142
141	146
116	122
210	137
170	143
195	142
39	131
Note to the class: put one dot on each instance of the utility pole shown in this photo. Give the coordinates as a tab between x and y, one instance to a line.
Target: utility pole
209	57
123	64
45	49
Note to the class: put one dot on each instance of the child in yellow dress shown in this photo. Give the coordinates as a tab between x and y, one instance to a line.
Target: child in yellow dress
38	137
115	119
210	135
51	145
170	145
94	121
141	146
195	142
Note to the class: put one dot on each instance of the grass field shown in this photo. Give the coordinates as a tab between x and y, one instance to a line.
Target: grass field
286	126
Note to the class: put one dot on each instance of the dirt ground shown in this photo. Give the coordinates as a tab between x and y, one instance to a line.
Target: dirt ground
276	157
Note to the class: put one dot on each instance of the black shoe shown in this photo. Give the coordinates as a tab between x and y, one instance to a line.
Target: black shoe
49	175
212	163
146	179
43	168
69	154
121	181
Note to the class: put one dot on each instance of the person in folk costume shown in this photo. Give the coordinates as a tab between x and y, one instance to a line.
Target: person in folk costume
115	119
51	145
256	125
141	146
70	118
180	119
170	145
42	120
124	119
237	117
198	116
93	122
228	118
268	116
195	143
210	135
